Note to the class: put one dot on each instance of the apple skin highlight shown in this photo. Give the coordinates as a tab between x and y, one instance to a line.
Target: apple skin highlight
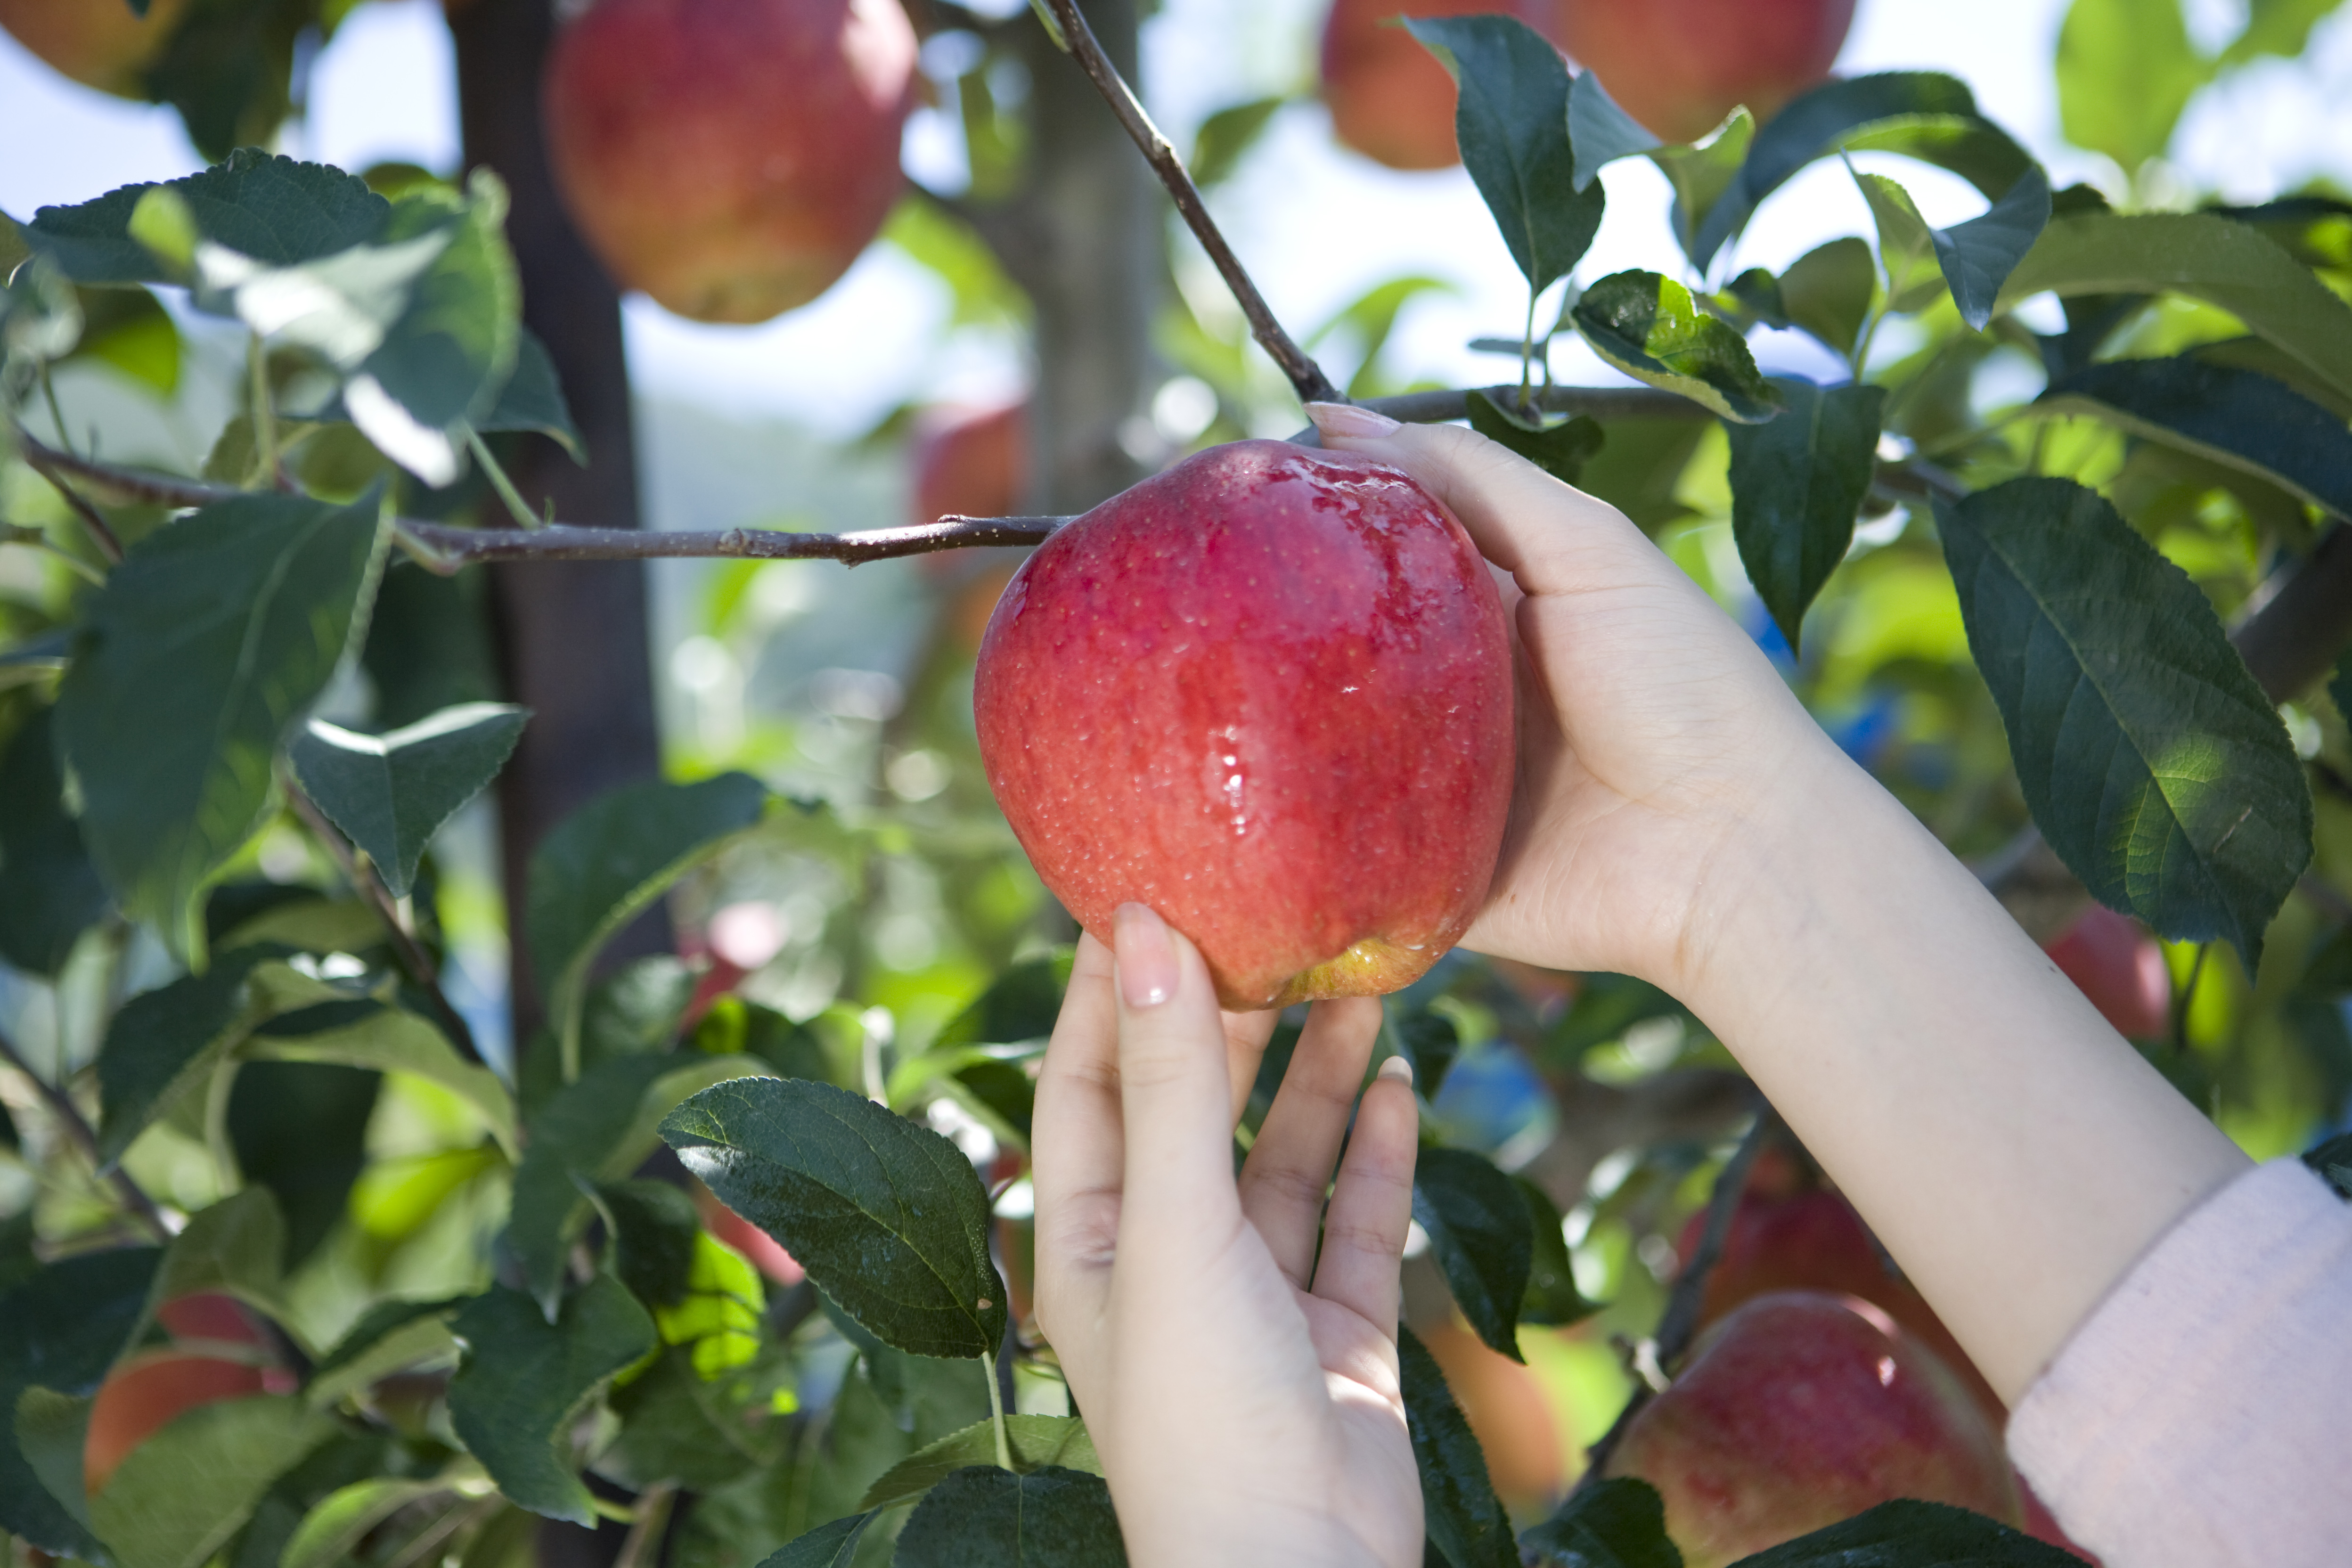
1268	694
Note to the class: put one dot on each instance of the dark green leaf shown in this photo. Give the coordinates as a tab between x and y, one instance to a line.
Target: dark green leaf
2152	763
1020	1005
2233	417
1827	292
1431	1043
679	1429
794	1050
1036	1441
1753	298
1478	1227
982	1517
1796	486
428	644
1606	1005
1907	1533
2333	1162
1618	1524
533	399
192	664
163	1042
1979	255
388	1039
1640	471
235	1247
831	1546
2126	71
227	66
179	1496
49	891
52	1433
272	209
889	1218
653	1228
1649	327
1510	120
61	1329
1600	131
300	1131
390	1336
1225	135
524	1379
1703	177
1552	1299
1560	450
391	793
1465	1520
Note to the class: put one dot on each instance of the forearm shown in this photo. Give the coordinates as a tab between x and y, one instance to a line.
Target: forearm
2014	1153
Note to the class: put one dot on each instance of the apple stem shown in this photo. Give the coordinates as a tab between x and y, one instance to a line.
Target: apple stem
996	1412
1307	377
78	1128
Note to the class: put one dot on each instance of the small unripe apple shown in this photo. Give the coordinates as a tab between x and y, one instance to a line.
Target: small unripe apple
2120	968
1680	66
99	43
1266	693
1390	99
730	158
1802	1409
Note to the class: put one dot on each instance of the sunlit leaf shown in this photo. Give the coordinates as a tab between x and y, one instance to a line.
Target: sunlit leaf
1649	327
1827	292
1477	1226
1225	135
391	793
2126	71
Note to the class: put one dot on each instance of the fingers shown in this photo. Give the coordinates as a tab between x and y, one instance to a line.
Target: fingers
1245	1038
1078	1148
1175	1092
1283	1182
1364	1229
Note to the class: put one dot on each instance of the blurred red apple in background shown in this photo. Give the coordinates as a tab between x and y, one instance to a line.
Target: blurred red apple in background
1680	66
99	43
141	1395
1268	694
1390	99
730	158
2120	968
969	462
1508	1414
1802	1409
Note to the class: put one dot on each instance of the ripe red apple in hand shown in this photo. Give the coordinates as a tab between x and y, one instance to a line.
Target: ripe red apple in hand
2120	968
1802	1409
1268	694
730	157
1390	99
1680	66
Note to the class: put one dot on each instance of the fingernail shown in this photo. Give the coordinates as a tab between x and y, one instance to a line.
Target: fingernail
1347	419
1398	1067
1147	960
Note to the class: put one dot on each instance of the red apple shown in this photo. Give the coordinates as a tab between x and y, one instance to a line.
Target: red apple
139	1398
2120	968
969	462
100	45
1508	1414
1390	99
730	157
1802	1409
1268	694
1680	66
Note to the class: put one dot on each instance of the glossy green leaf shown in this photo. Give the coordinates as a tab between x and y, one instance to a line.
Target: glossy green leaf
49	890
982	1517
2126	71
1906	246
273	209
1907	1533
1600	131
1827	292
391	793
1552	1299
832	1545
1649	327
1702	176
1465	1521
2152	763
1477	1226
61	1328
191	666
162	1042
1037	1442
1510	120
2234	417
178	1498
1797	485
1560	450
393	1040
1225	135
533	399
1617	1524
2206	257
889	1218
332	1531
524	1379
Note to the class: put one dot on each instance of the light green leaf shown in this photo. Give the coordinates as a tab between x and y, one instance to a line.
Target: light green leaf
274	210
1906	246
178	1498
1477	1226
1702	176
129	329
1600	131
2126	71
2152	763
889	1218
162	1042
61	1329
336	1525
1617	1524
1036	1441
1649	327
1225	135
524	1380
2277	27
393	1040
191	666
1827	292
1465	1520
1796	486
981	1517
49	891
391	793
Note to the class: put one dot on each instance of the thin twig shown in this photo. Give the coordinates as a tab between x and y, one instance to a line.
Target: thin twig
45	461
1307	377
643	1544
444	549
413	959
77	1128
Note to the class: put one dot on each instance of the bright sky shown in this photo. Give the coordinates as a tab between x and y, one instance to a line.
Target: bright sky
1317	226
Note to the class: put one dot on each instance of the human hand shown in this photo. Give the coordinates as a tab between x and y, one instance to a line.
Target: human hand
1654	734
1242	1391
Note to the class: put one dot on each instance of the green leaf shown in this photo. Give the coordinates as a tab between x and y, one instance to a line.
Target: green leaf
178	1498
1750	299
1370	320
831	1546
235	1246
332	1531
1600	130
1906	246
1560	450
981	1517
12	248
1796	486
393	1040
524	1379
1907	1533
52	1431
2126	71
272	209
49	891
1827	292
298	1130
1019	1007
428	644
1702	176
733	1025
607	862
2331	1162
191	666
1649	327
679	1427
1036	1441
61	1329
1511	121
2234	417
1552	1299
391	793
653	1228
716	1315
533	399
2152	763
390	1336
162	1043
889	1218
1616	1523
1225	135
2277	27
1465	1520
129	329
1979	255
2211	258
228	67
1477	1226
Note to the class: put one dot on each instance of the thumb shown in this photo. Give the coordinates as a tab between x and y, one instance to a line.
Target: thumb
1175	1092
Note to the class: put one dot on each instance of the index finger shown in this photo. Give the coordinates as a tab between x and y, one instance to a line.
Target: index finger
1077	1146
